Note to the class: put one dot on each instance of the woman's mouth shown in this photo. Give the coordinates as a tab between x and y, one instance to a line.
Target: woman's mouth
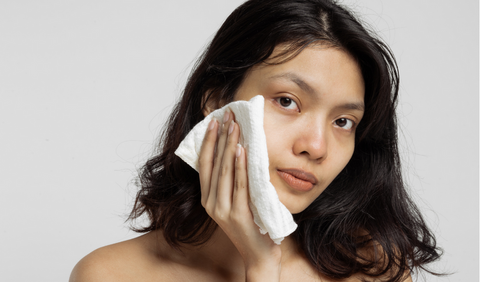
298	179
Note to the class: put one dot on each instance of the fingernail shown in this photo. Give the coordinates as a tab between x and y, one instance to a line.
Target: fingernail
211	125
238	151
230	128
226	116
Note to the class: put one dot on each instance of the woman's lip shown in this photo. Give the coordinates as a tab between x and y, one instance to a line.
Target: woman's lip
298	179
303	175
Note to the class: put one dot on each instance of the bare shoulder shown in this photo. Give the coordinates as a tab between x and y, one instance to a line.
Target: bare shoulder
124	261
99	265
374	252
362	277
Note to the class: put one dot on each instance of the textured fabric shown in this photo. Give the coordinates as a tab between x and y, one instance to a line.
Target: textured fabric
269	213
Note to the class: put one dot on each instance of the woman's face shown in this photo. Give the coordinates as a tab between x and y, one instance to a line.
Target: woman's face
312	106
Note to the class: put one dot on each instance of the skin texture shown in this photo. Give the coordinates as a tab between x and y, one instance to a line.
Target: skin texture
312	104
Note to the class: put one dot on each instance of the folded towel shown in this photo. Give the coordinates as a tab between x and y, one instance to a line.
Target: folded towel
268	212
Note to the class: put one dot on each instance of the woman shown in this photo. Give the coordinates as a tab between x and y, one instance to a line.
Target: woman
330	92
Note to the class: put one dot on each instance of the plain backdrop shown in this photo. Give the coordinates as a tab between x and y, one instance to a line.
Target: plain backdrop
85	87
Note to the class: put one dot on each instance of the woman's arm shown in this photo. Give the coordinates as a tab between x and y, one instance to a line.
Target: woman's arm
224	185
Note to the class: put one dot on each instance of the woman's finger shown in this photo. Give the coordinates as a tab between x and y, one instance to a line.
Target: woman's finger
222	138
227	168
240	191
206	159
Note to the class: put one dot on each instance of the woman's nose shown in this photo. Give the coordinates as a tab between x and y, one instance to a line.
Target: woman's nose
311	141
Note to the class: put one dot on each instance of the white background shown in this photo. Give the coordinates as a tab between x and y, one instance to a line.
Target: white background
85	87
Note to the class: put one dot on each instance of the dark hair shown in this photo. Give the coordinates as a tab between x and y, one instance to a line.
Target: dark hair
365	207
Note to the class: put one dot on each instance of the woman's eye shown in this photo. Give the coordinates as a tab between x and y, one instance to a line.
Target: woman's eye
287	103
344	123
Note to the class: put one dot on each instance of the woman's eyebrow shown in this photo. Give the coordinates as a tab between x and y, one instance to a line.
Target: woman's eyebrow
296	79
353	106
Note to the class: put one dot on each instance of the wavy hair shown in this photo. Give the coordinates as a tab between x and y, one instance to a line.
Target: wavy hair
365	207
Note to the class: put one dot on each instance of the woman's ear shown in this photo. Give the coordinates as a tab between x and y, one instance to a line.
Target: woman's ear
208	104
211	102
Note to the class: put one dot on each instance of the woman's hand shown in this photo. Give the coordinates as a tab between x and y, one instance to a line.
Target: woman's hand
224	185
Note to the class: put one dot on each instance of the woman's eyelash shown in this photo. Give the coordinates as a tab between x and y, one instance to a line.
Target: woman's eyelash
287	103
345	123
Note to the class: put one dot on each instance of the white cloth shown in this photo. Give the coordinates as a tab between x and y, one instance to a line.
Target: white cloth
268	212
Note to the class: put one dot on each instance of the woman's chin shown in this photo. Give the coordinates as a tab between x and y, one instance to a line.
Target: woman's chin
297	202
293	206
296	210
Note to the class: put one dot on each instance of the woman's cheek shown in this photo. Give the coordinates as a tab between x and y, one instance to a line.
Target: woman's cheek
278	127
